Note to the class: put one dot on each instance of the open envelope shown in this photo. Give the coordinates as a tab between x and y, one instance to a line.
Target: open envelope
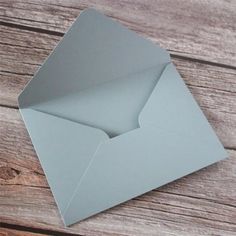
110	118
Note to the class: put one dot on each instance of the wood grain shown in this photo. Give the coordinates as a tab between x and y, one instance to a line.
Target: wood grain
204	30
12	232
201	38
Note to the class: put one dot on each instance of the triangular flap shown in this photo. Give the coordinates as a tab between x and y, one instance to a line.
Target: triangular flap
64	148
136	162
171	105
95	50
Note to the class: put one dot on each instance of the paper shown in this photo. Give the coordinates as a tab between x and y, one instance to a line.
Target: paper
110	118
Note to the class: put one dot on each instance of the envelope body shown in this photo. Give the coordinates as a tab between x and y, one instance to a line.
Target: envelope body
110	118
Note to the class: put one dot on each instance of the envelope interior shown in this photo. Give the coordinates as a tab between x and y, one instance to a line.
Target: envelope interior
113	106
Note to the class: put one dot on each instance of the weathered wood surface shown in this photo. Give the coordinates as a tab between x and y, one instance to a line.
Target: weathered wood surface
13	232
201	38
200	29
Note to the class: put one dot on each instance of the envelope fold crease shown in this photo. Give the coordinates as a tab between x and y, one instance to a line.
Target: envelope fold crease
65	149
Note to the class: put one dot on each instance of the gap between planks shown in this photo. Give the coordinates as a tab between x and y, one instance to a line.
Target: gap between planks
20	230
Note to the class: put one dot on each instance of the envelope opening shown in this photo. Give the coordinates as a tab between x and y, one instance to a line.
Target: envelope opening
112	107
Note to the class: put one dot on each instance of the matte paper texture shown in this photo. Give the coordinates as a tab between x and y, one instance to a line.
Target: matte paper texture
110	118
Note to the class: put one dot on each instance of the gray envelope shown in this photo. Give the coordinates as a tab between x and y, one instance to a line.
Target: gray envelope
110	118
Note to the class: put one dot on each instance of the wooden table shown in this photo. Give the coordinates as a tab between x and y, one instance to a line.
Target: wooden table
201	37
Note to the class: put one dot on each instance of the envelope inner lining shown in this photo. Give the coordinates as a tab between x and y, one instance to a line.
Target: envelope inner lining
113	106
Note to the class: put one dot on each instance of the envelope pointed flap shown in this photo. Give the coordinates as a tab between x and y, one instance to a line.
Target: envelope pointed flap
95	50
136	162
65	149
171	105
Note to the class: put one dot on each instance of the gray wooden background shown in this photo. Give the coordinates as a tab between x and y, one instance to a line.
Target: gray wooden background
201	37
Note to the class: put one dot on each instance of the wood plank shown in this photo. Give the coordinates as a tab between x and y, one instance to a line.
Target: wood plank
21	53
207	32
13	232
202	203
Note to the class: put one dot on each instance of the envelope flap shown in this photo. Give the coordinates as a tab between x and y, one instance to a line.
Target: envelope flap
65	149
95	50
171	105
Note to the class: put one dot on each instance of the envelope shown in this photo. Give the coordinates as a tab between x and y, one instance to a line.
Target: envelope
110	118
